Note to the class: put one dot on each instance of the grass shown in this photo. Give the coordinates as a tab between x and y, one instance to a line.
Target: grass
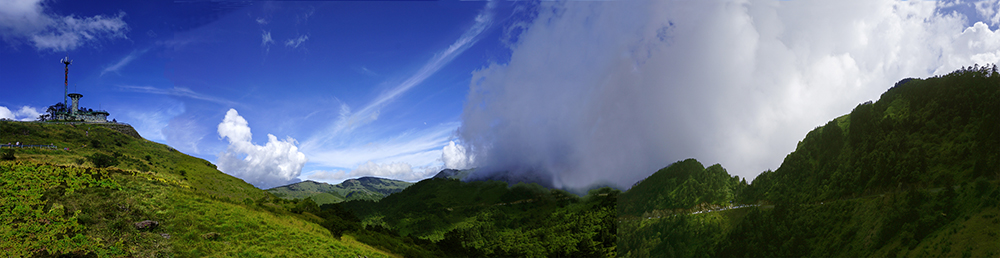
55	202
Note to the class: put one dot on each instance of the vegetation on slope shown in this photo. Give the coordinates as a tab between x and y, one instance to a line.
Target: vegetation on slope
486	218
921	133
914	174
681	186
57	201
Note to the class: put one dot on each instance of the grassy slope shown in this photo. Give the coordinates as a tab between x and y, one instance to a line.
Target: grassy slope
366	188
203	212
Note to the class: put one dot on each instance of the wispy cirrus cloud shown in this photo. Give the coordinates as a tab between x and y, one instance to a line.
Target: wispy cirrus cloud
296	42
177	92
123	62
420	148
348	120
266	41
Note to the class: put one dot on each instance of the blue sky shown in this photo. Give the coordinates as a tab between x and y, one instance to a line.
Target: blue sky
288	68
582	92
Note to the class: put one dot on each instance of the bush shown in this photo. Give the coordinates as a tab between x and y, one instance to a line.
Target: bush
102	160
7	154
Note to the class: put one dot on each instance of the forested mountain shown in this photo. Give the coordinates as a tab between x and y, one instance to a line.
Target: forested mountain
938	132
681	186
363	188
488	218
914	174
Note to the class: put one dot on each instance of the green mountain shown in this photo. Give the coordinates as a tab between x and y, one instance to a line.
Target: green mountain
684	185
487	218
364	188
105	193
914	174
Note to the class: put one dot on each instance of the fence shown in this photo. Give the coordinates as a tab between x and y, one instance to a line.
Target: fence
26	146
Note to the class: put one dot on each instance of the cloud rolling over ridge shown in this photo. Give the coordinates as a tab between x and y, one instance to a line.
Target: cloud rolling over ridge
609	92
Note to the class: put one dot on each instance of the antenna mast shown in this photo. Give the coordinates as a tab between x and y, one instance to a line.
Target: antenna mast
66	61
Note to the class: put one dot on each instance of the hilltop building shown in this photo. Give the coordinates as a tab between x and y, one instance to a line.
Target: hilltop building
76	113
66	112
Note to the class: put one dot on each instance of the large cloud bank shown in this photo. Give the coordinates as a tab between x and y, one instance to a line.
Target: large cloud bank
609	92
27	21
276	163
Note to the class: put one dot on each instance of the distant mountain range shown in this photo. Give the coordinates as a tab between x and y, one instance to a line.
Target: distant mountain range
364	188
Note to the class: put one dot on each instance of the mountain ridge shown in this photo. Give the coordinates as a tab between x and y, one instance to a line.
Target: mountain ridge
362	188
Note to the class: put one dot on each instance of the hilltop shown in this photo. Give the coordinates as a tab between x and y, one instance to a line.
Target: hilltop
103	192
363	188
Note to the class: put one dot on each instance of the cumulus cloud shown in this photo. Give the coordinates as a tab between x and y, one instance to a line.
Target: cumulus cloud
26	21
276	163
26	113
294	43
455	157
609	92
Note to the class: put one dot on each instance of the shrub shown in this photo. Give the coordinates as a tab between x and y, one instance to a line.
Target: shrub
102	160
7	154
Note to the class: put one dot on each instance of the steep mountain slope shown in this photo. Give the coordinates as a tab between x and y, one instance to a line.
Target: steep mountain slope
364	188
936	132
106	193
913	174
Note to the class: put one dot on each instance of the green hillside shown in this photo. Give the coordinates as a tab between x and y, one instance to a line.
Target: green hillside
86	196
489	219
913	174
681	186
364	188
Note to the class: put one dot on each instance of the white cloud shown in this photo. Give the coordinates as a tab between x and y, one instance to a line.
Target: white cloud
612	91
123	62
334	176
392	170
26	21
177	92
266	41
421	148
5	113
261	21
185	133
276	163
294	43
26	113
455	157
151	123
